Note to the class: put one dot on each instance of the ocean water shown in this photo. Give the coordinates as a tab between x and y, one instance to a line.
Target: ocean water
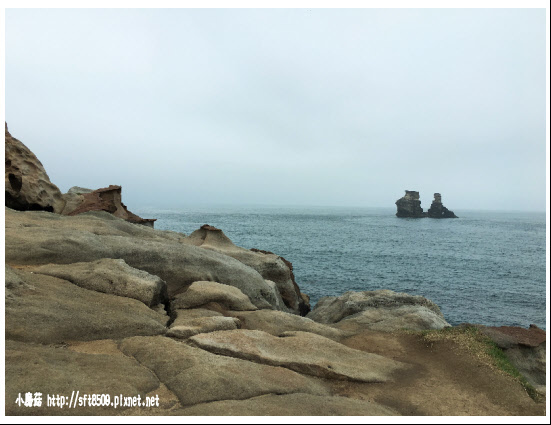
485	267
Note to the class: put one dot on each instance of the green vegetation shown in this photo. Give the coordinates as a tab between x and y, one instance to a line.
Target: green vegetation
483	348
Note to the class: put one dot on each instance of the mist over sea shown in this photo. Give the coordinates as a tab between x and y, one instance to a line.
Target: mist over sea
485	267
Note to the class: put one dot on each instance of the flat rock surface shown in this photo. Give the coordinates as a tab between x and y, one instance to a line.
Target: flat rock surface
186	329
278	322
197	376
58	370
201	293
46	309
288	405
303	352
110	276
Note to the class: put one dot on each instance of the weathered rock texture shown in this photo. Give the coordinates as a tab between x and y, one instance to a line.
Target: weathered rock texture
438	210
59	370
197	376
28	186
289	405
110	277
381	310
37	238
409	206
202	293
300	351
107	199
45	309
278	323
270	266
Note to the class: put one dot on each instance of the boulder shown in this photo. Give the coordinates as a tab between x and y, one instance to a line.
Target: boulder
438	210
381	310
28	186
409	206
302	352
53	370
110	276
270	266
288	405
49	310
197	376
105	199
278	323
202	293
37	238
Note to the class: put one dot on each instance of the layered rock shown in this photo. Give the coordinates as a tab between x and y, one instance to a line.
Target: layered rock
37	238
438	210
197	376
409	206
105	199
47	310
298	351
27	184
381	310
270	266
111	277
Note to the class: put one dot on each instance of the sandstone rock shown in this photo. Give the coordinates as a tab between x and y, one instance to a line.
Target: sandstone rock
79	190
107	199
48	310
191	327
35	238
197	376
278	323
58	370
270	266
110	277
28	186
303	352
381	310
410	205
437	210
288	405
201	293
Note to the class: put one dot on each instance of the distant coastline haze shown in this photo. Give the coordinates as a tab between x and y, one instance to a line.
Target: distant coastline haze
321	107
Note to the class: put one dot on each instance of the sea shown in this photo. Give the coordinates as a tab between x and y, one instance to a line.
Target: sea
485	267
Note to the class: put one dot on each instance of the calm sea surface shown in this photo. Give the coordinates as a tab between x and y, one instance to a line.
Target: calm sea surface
485	267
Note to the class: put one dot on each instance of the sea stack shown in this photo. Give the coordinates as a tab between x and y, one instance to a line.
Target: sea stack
438	210
409	206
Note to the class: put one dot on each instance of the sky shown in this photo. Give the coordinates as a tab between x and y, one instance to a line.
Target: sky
306	107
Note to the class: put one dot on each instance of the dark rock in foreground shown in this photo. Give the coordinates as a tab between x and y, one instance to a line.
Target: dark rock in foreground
410	205
438	210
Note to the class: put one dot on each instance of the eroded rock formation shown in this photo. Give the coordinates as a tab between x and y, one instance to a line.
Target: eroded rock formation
271	267
438	210
107	199
409	206
28	186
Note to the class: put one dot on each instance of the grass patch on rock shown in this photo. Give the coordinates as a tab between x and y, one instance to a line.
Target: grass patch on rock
482	348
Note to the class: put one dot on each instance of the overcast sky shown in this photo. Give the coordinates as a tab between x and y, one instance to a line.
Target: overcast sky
284	107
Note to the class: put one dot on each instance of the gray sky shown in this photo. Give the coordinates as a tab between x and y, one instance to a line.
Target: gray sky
284	107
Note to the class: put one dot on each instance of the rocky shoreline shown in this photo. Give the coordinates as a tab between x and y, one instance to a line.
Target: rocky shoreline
100	302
